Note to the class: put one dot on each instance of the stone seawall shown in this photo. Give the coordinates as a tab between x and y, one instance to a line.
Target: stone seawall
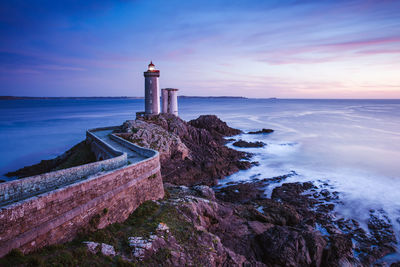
30	186
97	201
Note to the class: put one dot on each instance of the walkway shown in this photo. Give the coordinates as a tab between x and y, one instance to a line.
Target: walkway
104	135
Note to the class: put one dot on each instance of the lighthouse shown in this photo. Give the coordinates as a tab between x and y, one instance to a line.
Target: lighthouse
170	101
151	90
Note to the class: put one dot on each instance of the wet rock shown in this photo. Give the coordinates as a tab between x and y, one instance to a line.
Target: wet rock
325	192
381	239
339	251
242	193
285	246
280	213
263	131
292	193
242	143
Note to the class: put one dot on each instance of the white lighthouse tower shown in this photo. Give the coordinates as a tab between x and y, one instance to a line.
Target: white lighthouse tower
151	90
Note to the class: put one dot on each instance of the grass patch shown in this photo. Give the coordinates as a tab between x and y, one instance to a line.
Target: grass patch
142	222
153	176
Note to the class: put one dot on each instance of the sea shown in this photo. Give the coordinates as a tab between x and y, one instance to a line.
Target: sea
353	145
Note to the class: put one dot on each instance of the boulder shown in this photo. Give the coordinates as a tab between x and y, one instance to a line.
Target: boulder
263	131
242	143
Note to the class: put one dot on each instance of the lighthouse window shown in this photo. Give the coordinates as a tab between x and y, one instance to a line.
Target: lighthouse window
151	81
150	92
151	101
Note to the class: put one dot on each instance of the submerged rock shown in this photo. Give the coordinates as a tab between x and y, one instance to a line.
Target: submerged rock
263	131
242	143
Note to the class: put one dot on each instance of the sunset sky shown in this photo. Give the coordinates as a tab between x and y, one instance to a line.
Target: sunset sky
285	49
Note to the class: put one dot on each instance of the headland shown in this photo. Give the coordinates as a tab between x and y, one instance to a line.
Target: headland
199	221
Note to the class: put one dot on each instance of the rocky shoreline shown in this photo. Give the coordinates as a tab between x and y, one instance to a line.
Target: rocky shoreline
203	223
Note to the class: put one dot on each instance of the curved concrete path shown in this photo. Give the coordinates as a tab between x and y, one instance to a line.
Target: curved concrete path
104	135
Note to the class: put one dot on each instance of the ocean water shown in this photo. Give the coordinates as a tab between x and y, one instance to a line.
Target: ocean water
354	145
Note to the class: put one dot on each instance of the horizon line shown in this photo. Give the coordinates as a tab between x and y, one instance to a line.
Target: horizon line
8	97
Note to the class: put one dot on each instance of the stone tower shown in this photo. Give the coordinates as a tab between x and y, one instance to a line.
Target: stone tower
170	101
151	90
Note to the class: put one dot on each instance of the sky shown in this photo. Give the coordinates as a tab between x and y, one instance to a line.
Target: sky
258	48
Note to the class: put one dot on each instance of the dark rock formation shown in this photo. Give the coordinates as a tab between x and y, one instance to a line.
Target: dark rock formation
78	155
285	246
297	226
207	159
242	143
263	131
215	126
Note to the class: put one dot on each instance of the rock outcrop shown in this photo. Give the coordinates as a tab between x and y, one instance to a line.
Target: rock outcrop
153	136
192	153
242	143
263	131
297	226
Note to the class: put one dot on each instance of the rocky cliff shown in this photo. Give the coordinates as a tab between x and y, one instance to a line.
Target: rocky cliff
191	152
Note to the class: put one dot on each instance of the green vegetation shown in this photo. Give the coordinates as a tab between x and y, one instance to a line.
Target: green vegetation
153	176
142	222
78	155
154	145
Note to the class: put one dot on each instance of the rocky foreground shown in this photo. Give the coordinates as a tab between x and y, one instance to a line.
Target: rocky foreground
230	225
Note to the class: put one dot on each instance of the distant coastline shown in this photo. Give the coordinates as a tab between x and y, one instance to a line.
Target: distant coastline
224	97
103	97
67	97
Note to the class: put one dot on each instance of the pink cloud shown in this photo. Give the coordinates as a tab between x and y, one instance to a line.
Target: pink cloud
363	43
